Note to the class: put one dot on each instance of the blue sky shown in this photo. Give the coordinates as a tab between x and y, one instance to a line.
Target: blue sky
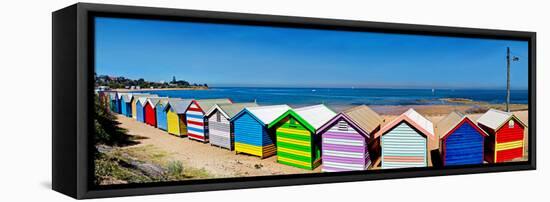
237	55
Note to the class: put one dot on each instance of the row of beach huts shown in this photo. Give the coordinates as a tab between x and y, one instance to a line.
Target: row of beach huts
309	136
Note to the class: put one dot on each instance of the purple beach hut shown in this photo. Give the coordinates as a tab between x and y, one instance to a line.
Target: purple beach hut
346	137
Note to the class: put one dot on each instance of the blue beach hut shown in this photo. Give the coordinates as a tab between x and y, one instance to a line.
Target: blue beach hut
461	141
251	133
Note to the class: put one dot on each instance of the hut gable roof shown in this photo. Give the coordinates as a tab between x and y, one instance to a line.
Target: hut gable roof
312	117
264	114
124	97
451	122
153	101
143	99
495	119
113	95
412	117
316	115
206	104
138	96
230	110
366	118
179	105
341	116
165	101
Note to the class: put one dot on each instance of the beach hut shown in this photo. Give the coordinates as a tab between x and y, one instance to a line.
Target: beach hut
251	133
220	130
135	98
160	111
347	140
404	141
460	139
125	104
113	102
197	124
149	113
140	104
104	99
175	116
506	135
295	135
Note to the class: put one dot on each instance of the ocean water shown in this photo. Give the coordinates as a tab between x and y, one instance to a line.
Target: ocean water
342	97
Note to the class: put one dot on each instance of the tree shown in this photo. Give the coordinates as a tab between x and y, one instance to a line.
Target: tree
173	79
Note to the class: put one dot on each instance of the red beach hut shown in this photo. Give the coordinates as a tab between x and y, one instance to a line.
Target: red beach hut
150	114
506	135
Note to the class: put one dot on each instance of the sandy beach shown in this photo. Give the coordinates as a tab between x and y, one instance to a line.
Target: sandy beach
219	163
216	161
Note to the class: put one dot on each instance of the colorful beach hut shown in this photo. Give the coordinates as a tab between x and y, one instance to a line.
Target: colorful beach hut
460	139
296	140
506	135
140	106
197	124
251	133
113	102
125	100
135	98
160	110
149	113
220	129
347	140
405	140
175	116
104	99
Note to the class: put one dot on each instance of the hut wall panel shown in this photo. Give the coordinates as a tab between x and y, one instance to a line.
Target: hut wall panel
464	146
128	109
509	142
196	123
250	136
139	112
403	147
118	106
161	117
150	115
112	106
344	149
123	108
295	145
134	111
219	133
173	123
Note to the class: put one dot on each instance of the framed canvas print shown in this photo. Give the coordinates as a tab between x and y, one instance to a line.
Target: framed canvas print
155	100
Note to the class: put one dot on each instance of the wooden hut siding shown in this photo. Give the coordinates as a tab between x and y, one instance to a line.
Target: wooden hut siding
344	149
506	136
150	115
403	147
509	142
139	112
219	131
176	123
123	107
247	129
134	109
161	116
295	145
196	123
113	105
463	146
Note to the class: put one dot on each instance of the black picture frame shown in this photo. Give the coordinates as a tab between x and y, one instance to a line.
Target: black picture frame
73	82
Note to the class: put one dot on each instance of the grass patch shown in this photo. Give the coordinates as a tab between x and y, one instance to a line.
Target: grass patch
118	166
